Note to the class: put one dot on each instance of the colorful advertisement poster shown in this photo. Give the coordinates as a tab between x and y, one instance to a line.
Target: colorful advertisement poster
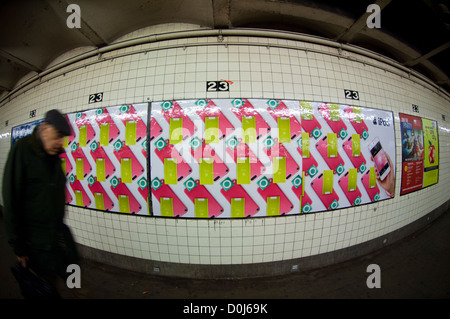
227	158
431	152
412	153
349	156
239	158
105	160
420	153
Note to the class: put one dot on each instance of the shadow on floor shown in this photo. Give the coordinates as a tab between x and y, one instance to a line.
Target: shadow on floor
415	267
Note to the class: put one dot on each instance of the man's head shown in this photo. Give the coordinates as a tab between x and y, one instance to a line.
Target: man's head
53	130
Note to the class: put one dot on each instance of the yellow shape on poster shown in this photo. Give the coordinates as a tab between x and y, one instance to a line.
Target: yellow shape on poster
66	142
175	130
211	129
352	176
104	134
82	140
357	114
356	145
307	112
78	198
305	145
332	145
100	168
237	207
327	187
170	171
273	205
125	170
201	207
63	165
124	204
243	170
99	202
206	171
279	169
249	129
80	169
167	206
334	113
284	129
372	178
130	133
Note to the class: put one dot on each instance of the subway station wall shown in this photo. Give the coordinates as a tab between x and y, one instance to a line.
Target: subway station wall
235	70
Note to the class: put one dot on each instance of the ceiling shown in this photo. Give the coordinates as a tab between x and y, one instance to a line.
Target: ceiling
416	33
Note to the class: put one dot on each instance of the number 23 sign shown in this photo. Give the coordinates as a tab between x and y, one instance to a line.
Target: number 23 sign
218	86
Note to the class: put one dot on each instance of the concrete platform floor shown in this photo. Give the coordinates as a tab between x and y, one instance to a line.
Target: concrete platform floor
416	267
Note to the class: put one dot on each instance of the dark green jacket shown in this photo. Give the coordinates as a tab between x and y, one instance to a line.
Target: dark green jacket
34	207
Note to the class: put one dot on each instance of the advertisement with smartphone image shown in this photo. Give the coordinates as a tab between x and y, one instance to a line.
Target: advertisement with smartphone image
353	150
230	158
240	158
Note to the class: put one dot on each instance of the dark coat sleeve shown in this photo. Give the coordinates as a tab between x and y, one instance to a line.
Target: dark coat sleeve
12	208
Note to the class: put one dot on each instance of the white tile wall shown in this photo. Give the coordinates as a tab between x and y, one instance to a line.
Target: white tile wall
257	71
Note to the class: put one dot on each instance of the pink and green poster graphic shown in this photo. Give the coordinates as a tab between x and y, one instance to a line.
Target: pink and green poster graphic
228	158
105	160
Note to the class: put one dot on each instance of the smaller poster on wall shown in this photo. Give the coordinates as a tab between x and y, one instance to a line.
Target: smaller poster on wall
412	153
23	130
420	159
431	152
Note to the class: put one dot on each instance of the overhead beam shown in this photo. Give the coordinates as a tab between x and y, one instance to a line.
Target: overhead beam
221	14
19	61
424	57
2	88
447	81
359	24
